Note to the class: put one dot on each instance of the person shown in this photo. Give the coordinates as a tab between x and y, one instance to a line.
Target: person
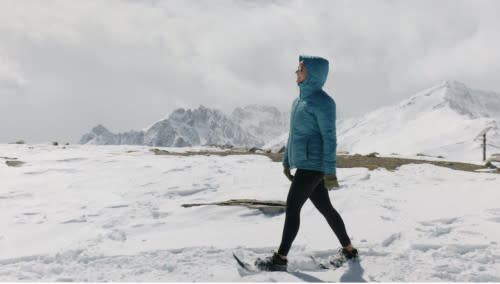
311	148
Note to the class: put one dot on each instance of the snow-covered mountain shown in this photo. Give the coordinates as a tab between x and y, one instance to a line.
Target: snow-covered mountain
102	136
443	120
249	126
265	122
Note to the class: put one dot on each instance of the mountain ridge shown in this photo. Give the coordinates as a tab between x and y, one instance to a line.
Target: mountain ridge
246	126
441	120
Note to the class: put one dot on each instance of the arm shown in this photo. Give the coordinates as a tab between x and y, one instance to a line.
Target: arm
285	156
326	116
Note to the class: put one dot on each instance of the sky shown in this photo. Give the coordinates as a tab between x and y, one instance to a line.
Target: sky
66	66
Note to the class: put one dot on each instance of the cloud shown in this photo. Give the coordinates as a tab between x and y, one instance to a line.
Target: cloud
10	77
126	64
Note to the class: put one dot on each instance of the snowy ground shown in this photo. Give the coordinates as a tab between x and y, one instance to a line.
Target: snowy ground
113	213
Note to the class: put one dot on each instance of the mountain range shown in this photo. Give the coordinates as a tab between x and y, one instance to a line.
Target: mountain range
252	125
443	120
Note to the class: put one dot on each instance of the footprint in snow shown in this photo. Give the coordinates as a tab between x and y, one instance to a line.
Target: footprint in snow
71	160
391	239
118	206
116	235
82	219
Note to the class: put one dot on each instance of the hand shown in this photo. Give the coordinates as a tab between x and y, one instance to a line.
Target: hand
331	182
286	171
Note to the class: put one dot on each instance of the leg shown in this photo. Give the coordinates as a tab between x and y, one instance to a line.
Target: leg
321	201
302	186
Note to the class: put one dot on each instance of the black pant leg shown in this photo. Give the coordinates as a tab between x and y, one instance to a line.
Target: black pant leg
303	184
321	201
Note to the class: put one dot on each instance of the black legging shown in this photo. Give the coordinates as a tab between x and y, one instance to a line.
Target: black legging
309	184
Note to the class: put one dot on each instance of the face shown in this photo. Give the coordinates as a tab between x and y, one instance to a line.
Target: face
301	72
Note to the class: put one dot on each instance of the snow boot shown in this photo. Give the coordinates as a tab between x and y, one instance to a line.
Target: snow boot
350	254
272	263
342	256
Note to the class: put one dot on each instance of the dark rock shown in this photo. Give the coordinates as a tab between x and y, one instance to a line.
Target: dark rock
14	163
489	165
160	152
255	149
266	207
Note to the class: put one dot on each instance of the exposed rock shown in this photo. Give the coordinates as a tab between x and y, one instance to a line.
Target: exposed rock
372	155
489	165
266	207
422	155
255	149
7	158
14	163
161	152
222	146
275	157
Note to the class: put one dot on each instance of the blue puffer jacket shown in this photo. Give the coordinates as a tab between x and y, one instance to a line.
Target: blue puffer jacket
312	142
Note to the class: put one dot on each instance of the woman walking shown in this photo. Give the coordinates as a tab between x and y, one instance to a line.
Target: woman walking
311	148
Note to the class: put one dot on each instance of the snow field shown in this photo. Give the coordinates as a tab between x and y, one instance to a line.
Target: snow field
113	213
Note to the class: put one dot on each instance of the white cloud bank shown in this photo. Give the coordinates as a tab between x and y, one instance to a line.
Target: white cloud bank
125	64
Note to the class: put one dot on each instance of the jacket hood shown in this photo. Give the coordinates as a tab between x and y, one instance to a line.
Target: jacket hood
317	71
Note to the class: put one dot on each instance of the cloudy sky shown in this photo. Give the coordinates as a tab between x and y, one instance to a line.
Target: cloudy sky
66	66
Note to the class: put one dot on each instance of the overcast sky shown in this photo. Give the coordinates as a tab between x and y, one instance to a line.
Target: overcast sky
66	66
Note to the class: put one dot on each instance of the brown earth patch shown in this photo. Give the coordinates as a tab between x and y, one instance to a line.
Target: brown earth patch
268	207
370	161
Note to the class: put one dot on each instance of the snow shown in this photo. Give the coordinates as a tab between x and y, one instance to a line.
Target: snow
444	120
113	213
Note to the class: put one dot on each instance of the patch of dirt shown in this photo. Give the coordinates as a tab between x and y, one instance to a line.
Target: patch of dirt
389	163
14	163
370	161
268	207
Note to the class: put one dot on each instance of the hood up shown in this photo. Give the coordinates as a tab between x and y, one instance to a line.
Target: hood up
317	71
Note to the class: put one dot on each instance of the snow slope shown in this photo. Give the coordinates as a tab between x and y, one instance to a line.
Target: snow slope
113	213
444	120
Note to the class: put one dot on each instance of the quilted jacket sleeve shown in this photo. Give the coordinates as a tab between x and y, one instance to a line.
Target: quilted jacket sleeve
326	116
285	156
